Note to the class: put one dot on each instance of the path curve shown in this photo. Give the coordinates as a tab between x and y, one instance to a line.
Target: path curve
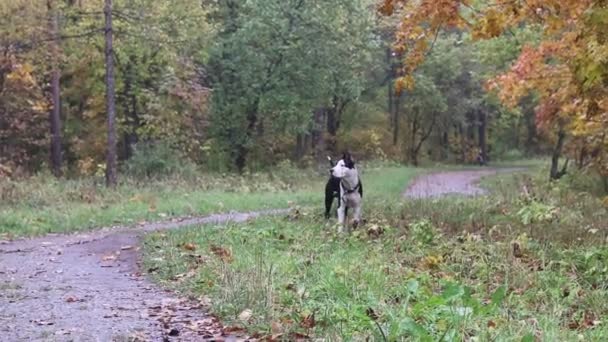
89	287
464	182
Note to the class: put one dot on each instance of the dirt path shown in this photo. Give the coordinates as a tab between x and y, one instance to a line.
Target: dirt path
451	182
89	287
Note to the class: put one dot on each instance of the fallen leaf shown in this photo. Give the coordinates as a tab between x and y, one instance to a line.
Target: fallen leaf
517	250
189	246
374	231
491	324
245	315
223	253
42	322
110	257
308	321
371	314
71	299
125	248
233	330
276	327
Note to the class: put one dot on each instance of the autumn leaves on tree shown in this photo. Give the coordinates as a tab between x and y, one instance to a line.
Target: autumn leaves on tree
236	85
567	69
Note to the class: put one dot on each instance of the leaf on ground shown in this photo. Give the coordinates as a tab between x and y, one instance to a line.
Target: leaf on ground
126	248
245	315
276	327
71	299
136	198
109	257
374	231
190	246
308	321
517	250
234	330
371	314
222	253
43	322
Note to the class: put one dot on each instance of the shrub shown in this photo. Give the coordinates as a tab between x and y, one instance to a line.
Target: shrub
513	154
156	160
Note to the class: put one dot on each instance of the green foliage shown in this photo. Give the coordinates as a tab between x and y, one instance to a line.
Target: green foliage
538	212
156	160
423	231
266	77
512	155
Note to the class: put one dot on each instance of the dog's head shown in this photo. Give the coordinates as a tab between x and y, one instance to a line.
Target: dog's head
344	166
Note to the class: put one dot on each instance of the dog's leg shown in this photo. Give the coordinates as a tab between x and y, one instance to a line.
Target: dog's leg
341	216
357	216
329	199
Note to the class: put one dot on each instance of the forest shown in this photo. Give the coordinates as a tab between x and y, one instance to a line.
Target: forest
244	85
164	172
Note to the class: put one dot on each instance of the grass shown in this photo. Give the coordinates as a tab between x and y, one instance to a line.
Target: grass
513	266
42	204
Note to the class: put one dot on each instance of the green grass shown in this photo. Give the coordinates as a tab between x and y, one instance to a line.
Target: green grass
42	204
511	266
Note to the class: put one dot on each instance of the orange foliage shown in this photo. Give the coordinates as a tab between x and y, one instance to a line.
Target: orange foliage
568	70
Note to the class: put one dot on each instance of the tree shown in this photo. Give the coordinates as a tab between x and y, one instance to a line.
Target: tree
566	70
55	115
110	101
267	79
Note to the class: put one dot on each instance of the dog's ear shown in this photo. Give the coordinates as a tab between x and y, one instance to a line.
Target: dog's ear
349	162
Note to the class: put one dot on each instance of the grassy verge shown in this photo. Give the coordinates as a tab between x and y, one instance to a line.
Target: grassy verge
42	204
519	265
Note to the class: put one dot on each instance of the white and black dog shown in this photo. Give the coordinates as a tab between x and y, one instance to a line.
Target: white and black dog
344	183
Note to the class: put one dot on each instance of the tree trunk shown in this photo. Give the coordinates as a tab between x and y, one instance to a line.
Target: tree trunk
391	76
416	146
444	146
557	151
396	115
300	141
412	155
55	114
463	143
483	144
317	136
242	151
110	100
133	122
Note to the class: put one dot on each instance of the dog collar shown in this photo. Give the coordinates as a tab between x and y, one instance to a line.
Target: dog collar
345	186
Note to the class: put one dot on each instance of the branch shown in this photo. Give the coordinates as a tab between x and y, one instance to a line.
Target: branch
427	134
72	36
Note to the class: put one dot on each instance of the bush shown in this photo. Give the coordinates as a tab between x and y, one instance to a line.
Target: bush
511	155
157	160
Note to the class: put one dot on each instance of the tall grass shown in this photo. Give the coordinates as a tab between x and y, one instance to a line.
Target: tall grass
527	262
43	204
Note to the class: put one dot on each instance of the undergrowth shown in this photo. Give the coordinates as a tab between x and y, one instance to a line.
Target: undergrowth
526	263
43	204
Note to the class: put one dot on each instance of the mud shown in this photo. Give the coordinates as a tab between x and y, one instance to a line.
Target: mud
90	287
464	183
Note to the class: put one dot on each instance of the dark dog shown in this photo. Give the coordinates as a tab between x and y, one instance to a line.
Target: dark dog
332	190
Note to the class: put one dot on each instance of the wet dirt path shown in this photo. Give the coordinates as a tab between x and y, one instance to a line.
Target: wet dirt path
89	287
464	183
